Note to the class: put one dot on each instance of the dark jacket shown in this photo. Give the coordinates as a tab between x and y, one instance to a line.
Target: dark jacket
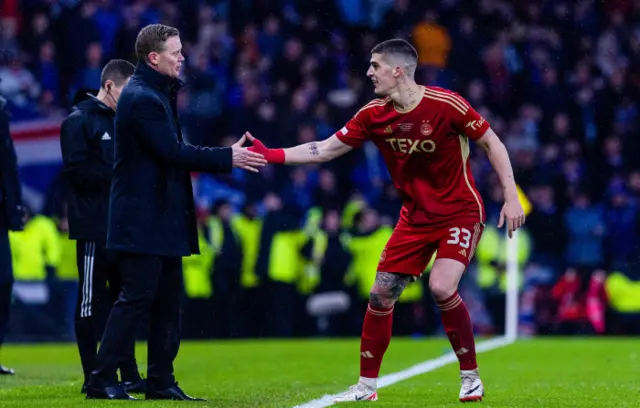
152	209
11	209
86	139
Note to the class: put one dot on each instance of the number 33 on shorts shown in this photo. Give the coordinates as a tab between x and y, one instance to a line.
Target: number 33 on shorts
461	243
456	239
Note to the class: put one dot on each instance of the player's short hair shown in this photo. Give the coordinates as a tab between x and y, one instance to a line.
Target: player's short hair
400	49
117	71
152	38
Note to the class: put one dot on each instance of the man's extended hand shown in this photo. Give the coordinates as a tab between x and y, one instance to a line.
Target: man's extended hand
514	214
246	159
272	155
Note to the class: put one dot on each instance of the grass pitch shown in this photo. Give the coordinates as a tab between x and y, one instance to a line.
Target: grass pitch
558	372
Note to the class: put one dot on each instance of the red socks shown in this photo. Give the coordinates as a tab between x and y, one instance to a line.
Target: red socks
457	325
376	335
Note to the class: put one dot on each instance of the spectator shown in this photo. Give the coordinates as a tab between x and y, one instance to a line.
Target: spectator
586	229
570	298
433	44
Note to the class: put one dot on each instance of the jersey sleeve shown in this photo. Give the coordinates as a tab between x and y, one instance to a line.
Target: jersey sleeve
354	133
465	119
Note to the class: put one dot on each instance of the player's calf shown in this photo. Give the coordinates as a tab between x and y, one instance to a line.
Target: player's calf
443	282
376	334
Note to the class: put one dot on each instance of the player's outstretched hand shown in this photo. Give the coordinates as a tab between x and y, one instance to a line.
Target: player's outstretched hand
243	158
258	146
272	155
514	214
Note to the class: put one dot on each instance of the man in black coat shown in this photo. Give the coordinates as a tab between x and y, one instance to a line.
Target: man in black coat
11	218
86	140
152	214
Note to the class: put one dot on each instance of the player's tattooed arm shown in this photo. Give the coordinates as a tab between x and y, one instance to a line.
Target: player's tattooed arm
316	152
387	289
313	149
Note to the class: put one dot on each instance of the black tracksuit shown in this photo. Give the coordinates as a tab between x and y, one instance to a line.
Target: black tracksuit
86	139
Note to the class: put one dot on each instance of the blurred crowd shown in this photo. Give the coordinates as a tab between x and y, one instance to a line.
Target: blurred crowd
559	81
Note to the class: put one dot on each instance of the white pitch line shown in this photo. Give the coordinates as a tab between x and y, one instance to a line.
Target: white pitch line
425	367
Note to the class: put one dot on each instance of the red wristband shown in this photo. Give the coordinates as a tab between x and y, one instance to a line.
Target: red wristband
275	156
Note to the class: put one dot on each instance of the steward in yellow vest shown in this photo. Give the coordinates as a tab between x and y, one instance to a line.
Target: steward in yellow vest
279	264
248	228
227	268
197	311
327	255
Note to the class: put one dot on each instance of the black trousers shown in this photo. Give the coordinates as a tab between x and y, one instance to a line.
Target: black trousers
150	286
98	266
6	283
6	289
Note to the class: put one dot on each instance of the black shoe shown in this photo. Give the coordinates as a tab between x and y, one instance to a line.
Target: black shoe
83	390
135	387
6	371
114	392
172	393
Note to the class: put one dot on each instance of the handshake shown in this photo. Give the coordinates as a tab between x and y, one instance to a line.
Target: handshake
253	157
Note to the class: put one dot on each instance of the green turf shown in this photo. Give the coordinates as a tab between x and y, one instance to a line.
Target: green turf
531	373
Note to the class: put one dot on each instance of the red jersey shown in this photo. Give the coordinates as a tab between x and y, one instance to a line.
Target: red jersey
426	150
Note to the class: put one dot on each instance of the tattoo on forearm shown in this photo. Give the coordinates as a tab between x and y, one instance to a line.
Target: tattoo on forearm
387	289
313	147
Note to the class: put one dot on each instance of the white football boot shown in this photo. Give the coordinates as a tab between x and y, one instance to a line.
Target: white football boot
358	392
472	388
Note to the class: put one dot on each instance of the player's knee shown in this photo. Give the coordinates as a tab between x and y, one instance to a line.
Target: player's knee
381	300
441	289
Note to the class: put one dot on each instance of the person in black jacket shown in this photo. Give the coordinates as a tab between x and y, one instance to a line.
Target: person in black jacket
152	214
11	219
86	140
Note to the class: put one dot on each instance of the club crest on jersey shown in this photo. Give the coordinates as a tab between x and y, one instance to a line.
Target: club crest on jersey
426	129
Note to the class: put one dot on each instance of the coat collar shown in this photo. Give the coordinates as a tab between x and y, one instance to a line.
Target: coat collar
98	102
154	78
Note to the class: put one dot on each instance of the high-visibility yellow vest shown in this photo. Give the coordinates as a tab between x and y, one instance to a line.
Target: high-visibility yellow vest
35	248
310	275
196	270
623	293
365	252
285	260
68	267
248	231
350	210
492	248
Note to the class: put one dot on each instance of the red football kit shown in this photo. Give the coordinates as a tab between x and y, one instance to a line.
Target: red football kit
426	150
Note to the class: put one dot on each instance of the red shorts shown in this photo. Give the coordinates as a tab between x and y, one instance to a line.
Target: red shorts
410	249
